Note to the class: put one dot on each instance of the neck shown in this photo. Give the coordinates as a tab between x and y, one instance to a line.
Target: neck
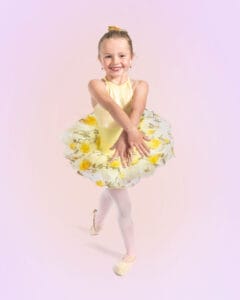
118	80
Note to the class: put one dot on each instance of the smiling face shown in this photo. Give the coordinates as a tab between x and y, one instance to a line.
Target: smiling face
115	57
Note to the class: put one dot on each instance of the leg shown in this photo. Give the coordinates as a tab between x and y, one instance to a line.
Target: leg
105	202
123	202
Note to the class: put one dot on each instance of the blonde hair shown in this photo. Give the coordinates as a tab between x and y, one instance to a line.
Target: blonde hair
116	32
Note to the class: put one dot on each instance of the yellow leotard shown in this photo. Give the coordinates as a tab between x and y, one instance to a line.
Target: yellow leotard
109	129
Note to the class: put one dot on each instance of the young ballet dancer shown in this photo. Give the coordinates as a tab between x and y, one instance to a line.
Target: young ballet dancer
120	141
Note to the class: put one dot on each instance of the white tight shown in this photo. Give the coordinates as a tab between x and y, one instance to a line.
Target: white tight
122	200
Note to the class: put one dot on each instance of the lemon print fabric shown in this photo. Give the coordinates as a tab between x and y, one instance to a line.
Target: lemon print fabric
88	140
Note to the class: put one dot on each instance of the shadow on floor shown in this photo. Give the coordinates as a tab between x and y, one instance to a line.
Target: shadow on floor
98	246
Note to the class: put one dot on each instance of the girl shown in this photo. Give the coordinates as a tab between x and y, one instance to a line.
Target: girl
121	141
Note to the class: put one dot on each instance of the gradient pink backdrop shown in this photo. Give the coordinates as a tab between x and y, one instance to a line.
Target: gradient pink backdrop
186	215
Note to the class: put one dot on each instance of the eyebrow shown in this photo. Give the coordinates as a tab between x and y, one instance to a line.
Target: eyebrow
111	53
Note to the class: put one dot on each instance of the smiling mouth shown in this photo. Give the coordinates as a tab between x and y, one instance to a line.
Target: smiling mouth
115	68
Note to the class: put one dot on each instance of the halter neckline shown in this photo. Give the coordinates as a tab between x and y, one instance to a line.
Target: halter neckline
128	80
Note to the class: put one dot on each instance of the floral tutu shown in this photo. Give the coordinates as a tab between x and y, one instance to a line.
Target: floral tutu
82	143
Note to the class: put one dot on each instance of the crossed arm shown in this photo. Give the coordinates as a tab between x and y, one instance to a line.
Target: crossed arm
130	137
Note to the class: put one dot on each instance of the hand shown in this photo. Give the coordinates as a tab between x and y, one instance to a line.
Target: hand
122	149
136	139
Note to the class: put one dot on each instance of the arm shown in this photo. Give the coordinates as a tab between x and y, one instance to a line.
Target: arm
138	105
98	91
138	102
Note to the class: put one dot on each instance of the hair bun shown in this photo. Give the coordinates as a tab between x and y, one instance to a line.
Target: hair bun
115	28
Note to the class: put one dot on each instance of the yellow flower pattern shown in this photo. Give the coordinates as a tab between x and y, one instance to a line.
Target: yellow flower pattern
100	183
83	151
115	164
90	120
84	147
72	145
154	158
134	160
154	143
85	165
150	131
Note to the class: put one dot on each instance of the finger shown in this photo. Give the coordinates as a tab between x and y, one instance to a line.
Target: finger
147	138
122	160
139	150
113	146
130	154
131	150
126	157
114	155
145	148
129	159
144	152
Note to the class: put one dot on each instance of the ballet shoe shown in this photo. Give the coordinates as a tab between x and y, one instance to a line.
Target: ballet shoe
93	229
124	265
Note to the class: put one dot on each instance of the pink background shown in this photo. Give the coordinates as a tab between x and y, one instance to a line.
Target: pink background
186	215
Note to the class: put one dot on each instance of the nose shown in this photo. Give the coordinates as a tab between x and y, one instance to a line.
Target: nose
115	60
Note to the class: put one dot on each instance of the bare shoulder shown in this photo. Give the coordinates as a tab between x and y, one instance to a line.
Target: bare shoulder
95	83
140	84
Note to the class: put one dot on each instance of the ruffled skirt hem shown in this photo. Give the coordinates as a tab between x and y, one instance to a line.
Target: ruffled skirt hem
82	142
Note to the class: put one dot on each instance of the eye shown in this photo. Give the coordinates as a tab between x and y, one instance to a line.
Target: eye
107	56
122	55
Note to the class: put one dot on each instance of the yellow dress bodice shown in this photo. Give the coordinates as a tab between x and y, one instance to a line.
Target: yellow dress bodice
109	129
